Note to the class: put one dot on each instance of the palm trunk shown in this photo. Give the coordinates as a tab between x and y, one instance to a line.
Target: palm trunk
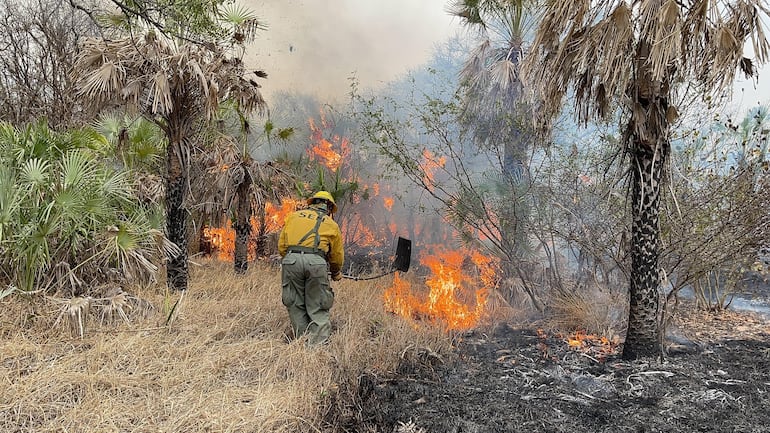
649	144
242	226
515	210
261	247
643	332
176	215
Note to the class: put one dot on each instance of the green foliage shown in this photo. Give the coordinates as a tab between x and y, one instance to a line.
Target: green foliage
66	216
198	21
180	18
133	141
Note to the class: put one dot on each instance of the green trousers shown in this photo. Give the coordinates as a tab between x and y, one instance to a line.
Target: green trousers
307	295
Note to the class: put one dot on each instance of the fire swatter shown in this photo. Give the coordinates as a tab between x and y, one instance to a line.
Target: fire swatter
400	263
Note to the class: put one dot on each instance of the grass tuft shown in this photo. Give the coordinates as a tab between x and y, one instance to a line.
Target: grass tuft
592	312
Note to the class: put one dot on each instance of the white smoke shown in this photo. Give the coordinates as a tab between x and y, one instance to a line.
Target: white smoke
316	46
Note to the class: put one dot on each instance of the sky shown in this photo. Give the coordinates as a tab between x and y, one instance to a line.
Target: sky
316	46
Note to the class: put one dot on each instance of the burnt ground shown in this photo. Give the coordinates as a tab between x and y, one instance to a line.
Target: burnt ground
714	378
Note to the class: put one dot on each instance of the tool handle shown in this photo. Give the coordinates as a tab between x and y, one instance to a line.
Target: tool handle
356	278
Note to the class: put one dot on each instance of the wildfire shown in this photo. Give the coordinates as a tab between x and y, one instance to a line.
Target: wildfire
393	228
358	234
450	287
275	217
430	164
388	203
590	343
222	239
325	149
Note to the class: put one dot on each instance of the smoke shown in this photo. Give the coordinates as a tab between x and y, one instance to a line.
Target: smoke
315	46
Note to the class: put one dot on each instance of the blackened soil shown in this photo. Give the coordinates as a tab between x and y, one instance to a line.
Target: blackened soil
714	378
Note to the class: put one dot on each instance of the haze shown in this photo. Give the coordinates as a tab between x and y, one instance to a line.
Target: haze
316	46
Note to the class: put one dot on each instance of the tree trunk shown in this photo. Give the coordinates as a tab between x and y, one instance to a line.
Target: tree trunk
261	247
643	334
176	215
648	142
242	226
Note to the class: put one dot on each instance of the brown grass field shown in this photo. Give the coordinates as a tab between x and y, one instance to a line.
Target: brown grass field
222	364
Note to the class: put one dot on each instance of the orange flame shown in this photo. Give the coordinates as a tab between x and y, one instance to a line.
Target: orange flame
429	166
388	203
590	343
324	149
358	234
400	300
275	217
450	284
329	157
222	239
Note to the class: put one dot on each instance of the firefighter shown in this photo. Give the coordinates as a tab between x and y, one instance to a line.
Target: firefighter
311	248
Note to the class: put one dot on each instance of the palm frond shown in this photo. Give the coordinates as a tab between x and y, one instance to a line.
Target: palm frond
244	23
36	173
10	202
162	101
76	170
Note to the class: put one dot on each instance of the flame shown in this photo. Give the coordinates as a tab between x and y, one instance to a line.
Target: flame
358	234
388	203
590	343
275	217
329	157
325	149
222	239
429	166
449	284
400	300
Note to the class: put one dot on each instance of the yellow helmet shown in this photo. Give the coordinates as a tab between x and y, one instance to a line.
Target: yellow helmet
323	195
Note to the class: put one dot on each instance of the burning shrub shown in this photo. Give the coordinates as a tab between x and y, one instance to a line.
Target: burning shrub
458	286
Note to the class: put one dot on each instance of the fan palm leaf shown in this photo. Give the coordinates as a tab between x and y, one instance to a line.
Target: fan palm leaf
58	200
243	23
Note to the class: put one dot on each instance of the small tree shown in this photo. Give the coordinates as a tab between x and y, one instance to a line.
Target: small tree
38	39
494	110
237	185
716	220
179	86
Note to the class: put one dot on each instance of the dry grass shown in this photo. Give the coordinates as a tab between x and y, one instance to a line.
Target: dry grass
592	311
224	363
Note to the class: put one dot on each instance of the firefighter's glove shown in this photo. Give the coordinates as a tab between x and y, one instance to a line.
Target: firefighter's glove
337	276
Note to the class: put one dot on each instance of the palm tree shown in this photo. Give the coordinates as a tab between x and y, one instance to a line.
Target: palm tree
66	215
494	109
238	184
634	57
179	86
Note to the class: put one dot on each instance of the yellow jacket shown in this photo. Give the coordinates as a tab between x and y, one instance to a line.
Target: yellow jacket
300	223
